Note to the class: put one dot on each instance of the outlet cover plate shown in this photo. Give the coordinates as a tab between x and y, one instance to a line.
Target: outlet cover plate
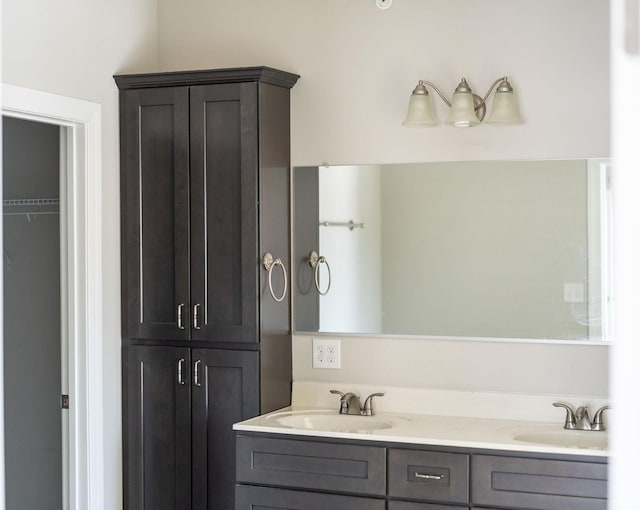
326	353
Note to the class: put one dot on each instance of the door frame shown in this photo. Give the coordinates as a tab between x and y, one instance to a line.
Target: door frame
81	121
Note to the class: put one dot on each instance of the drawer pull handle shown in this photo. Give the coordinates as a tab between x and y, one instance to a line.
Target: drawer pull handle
428	477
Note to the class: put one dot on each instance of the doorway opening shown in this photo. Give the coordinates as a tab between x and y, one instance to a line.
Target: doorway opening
77	123
34	294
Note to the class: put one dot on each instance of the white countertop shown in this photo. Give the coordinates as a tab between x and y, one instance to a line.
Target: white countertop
421	416
435	430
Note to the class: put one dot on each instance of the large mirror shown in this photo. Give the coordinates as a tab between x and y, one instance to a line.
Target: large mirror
492	249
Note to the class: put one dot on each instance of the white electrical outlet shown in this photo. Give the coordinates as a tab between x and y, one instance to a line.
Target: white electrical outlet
326	353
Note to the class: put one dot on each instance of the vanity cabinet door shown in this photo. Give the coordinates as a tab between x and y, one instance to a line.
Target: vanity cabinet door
537	484
429	476
266	498
311	465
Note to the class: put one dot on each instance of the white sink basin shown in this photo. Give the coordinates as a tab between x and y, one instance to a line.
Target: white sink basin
330	421
567	439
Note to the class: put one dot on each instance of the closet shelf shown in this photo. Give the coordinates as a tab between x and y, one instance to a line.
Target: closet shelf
30	206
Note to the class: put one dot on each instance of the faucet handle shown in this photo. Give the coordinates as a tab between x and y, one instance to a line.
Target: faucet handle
367	409
598	422
570	420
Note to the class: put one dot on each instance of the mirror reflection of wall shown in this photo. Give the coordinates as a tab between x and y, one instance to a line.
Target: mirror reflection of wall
508	249
351	193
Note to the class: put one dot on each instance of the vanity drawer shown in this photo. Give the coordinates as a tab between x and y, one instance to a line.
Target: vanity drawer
538	484
268	498
429	476
311	465
408	505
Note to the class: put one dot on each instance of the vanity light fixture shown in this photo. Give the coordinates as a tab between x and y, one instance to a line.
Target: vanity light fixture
467	108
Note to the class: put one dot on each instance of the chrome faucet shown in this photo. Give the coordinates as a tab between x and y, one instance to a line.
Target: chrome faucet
579	420
350	403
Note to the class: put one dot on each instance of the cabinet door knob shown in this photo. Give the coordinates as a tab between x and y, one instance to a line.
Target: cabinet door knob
196	309
181	316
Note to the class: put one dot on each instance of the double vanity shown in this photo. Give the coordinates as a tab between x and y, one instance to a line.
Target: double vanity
315	458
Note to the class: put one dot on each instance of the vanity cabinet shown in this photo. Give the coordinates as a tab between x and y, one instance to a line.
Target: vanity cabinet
296	474
205	172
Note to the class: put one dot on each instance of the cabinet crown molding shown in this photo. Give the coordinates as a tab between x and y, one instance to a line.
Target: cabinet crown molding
259	74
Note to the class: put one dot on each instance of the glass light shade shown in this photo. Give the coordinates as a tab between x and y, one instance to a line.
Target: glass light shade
505	109
420	113
463	113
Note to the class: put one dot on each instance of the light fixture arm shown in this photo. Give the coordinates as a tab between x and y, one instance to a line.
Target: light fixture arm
480	103
504	87
421	89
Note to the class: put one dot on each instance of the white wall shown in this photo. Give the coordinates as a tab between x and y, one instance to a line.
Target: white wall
550	368
358	65
73	48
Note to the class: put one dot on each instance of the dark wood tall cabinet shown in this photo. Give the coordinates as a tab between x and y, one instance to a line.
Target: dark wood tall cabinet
205	173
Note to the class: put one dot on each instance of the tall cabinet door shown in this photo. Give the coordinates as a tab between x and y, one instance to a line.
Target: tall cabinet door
224	212
157	428
225	391
155	201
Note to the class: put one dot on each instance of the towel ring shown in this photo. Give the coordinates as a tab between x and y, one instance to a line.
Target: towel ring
314	261
269	263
